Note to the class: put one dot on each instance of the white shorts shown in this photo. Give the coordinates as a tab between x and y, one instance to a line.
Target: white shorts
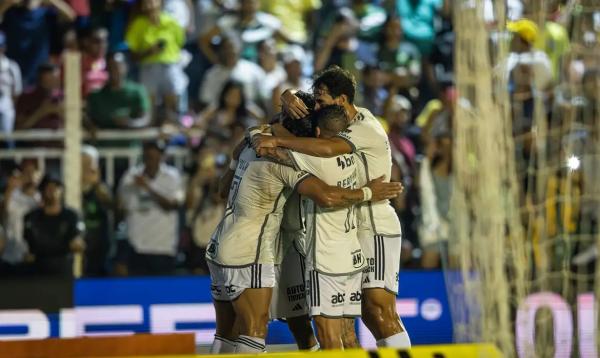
228	283
289	296
383	261
333	296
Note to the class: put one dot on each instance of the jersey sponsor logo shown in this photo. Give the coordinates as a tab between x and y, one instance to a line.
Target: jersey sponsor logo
357	259
366	280
296	293
345	161
356	296
215	289
338	299
230	289
297	307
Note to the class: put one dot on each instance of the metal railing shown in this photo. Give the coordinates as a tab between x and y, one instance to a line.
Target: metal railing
108	154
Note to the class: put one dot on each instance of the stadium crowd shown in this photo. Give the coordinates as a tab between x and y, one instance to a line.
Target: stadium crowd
217	67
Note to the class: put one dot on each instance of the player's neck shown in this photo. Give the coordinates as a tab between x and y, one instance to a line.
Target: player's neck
352	111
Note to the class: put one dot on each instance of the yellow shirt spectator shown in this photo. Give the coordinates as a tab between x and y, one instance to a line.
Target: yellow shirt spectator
143	34
292	15
554	41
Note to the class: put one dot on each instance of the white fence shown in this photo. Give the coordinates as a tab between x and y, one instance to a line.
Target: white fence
109	154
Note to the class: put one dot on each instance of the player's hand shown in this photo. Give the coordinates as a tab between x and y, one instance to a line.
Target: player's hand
383	191
293	105
261	141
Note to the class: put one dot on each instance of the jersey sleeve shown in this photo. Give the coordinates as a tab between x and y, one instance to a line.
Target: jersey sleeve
289	176
358	136
307	163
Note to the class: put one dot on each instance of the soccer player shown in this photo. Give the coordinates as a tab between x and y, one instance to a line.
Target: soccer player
379	227
334	259
241	251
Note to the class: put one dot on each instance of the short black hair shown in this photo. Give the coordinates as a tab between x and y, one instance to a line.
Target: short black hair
332	118
308	99
155	144
338	82
49	179
303	127
46	68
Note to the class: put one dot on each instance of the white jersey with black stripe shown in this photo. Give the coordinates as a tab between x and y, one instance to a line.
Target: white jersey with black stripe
248	232
292	231
370	142
332	246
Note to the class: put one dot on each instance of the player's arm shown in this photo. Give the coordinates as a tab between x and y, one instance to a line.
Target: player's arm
278	155
317	147
328	196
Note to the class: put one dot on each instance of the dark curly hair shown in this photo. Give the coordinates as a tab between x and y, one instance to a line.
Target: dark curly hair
338	82
332	118
303	127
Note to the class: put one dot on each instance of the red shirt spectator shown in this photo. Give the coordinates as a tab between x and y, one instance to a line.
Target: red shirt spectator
42	107
93	64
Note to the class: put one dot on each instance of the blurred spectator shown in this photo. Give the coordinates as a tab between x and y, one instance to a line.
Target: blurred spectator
231	66
120	103
151	194
339	46
155	40
182	11
2	240
81	8
249	26
372	93
20	197
274	72
554	40
10	88
53	232
204	207
404	159
96	202
418	20
42	106
293	57
112	15
296	16
233	115
535	64
371	18
400	59
440	67
93	60
28	26
208	13
435	183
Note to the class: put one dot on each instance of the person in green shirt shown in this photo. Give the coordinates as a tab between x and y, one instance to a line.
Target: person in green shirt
155	40
120	103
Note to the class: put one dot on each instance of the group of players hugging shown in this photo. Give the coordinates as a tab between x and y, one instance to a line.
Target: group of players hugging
308	231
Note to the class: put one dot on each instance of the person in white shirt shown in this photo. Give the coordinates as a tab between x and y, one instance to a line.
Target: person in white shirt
21	197
241	254
378	225
248	25
231	67
11	87
150	195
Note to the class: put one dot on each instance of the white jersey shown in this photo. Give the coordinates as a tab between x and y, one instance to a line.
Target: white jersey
292	231
248	232
332	246
370	142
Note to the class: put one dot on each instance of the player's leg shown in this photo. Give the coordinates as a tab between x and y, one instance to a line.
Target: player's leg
380	286
352	309
226	332
252	310
303	333
349	334
250	290
329	332
290	302
325	297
